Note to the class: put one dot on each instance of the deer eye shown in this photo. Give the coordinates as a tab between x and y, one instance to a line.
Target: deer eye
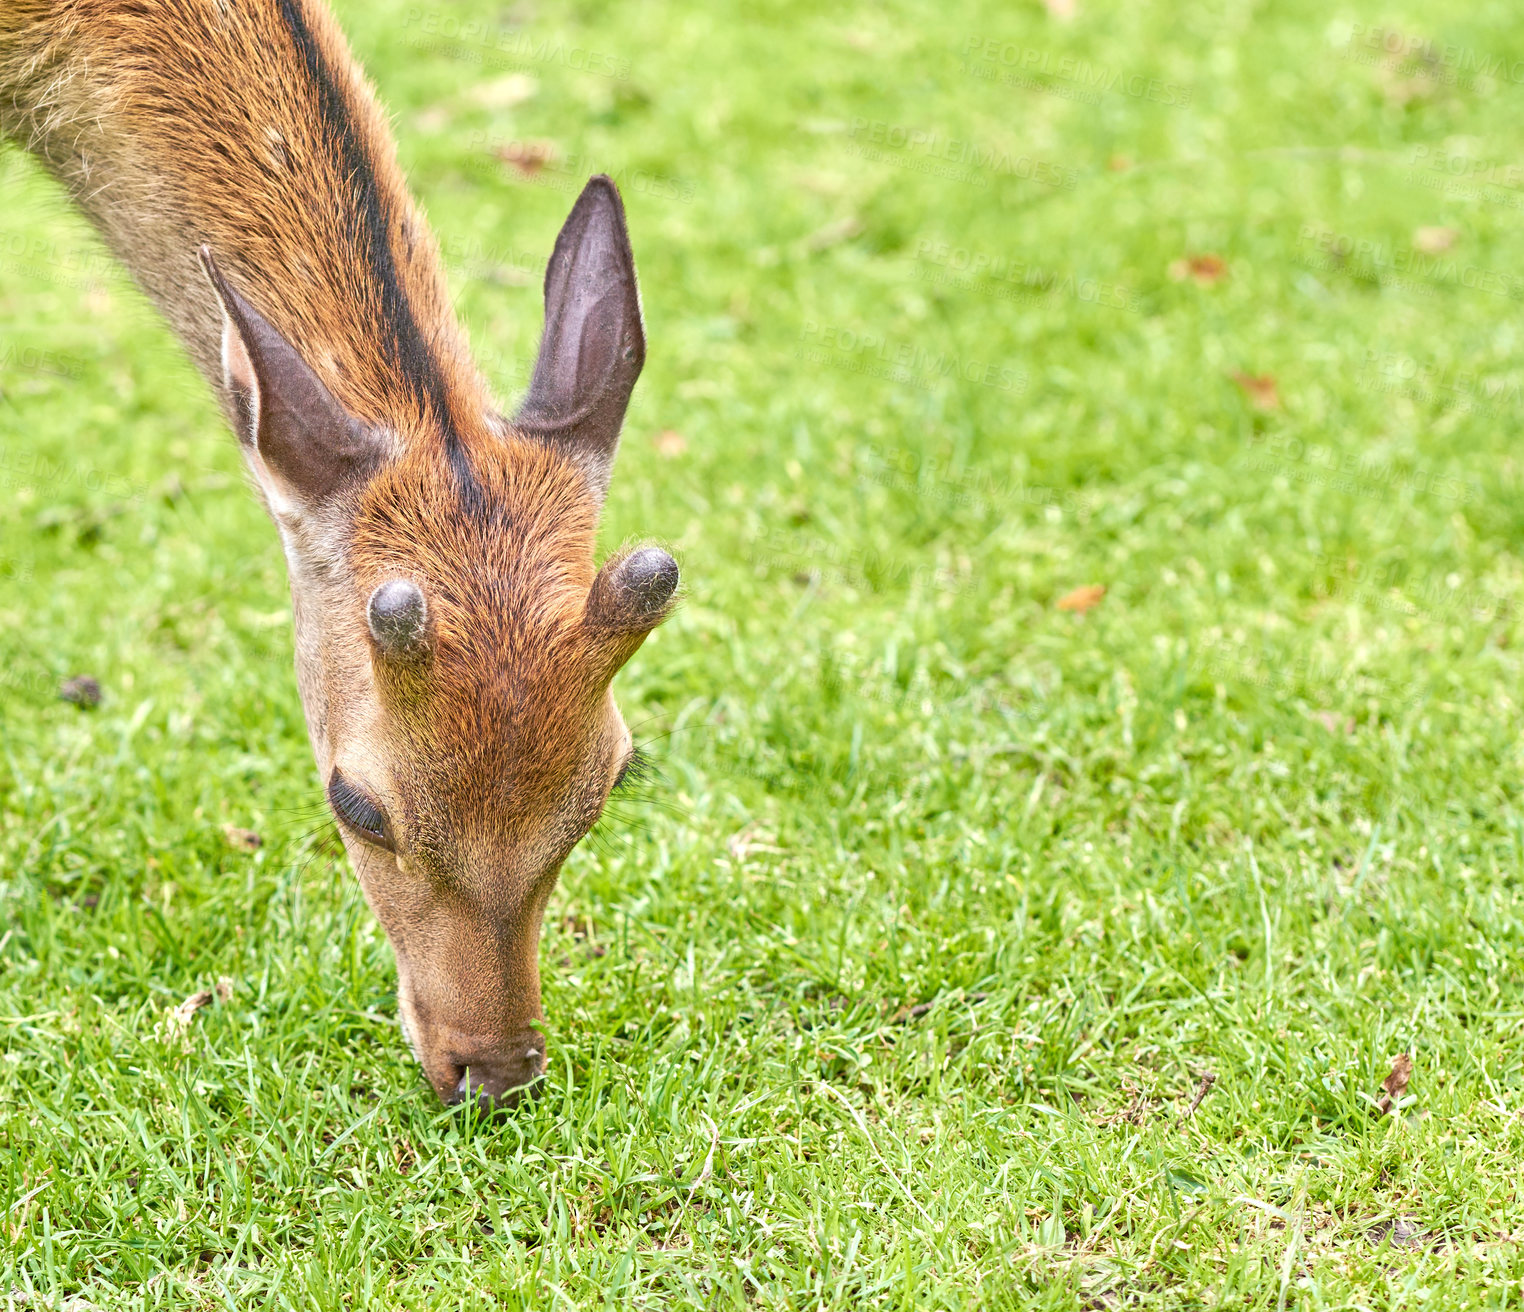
357	811
635	770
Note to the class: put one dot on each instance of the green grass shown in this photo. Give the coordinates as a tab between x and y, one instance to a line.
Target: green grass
1257	813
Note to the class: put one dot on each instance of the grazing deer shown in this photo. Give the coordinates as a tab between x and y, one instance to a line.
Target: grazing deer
454	643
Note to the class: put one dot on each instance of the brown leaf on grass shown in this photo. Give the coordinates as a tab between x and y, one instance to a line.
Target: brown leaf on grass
1395	1084
174	1029
224	988
527	157
670	444
1204	269
1208	1079
1434	241
183	1013
1260	389
244	840
1082	599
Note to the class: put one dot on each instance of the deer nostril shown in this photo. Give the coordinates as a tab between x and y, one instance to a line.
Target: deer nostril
475	1090
473	1094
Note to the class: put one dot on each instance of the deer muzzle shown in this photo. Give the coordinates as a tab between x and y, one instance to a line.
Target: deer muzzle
470	1003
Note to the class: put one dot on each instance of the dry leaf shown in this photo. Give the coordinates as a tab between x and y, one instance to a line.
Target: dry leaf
1082	599
1208	1079
182	1014
245	840
224	988
527	157
1260	389
175	1027
1205	269
1395	1084
1434	241
670	443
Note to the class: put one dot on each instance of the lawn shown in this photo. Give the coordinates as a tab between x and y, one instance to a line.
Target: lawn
898	984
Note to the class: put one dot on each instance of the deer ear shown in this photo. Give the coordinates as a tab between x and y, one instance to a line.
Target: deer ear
594	343
281	411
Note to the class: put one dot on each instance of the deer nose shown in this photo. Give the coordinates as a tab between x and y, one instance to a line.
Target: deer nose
498	1083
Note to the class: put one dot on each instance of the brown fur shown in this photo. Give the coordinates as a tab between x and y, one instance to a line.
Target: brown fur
244	125
180	122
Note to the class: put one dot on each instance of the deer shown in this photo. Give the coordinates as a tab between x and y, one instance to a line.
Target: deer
454	642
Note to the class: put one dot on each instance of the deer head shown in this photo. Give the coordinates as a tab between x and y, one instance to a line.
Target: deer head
455	645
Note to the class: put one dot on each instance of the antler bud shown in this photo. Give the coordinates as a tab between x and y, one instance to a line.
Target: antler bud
398	617
632	594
